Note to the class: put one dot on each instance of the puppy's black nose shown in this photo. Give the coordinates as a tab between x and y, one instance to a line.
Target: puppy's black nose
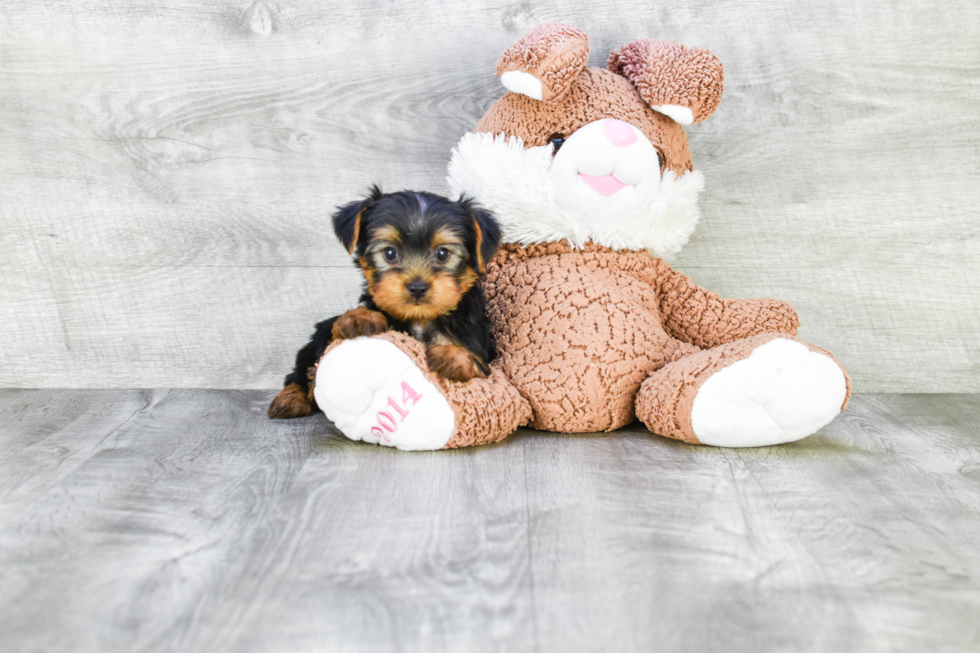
417	288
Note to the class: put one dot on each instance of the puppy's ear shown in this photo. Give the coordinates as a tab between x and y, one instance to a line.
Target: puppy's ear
486	234
681	82
347	220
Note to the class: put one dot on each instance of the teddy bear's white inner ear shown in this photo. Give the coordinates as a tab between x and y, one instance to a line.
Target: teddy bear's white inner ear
527	84
680	114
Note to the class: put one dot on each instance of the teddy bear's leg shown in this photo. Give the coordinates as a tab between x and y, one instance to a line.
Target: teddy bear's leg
766	389
379	390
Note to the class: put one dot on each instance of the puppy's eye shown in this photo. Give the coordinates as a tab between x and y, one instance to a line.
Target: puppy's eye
389	253
442	254
556	140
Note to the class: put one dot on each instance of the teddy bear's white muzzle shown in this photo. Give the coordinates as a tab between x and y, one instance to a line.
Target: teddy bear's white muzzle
604	169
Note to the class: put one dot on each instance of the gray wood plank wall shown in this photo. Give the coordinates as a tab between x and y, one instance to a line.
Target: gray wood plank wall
167	171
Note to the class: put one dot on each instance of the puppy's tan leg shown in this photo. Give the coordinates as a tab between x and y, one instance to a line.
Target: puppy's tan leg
292	401
359	322
453	363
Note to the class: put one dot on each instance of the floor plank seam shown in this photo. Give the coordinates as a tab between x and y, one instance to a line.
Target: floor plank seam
530	553
796	533
147	402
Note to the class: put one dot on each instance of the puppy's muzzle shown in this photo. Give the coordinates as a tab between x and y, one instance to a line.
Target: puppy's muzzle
417	288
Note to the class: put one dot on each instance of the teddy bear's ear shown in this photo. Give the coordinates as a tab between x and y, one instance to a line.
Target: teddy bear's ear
681	82
545	62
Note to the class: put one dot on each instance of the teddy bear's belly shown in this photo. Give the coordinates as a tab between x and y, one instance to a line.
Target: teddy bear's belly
576	342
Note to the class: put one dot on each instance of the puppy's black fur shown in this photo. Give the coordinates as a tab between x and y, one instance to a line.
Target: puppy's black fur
423	257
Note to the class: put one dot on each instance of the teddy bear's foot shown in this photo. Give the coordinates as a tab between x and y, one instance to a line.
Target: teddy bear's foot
372	391
782	392
380	390
760	391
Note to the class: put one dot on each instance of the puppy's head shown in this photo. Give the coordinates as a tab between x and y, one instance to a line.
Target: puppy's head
419	252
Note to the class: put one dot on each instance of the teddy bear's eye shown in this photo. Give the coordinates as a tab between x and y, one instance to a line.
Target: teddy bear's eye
556	140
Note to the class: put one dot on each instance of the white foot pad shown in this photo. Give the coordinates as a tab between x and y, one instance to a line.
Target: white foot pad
782	392
372	391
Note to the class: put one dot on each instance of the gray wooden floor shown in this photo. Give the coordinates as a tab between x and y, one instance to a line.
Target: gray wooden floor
187	521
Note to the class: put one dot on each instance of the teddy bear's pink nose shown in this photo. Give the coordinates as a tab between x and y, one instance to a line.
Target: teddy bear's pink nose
619	132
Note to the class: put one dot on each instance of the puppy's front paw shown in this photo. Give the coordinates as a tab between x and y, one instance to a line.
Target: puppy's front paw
292	401
359	322
454	363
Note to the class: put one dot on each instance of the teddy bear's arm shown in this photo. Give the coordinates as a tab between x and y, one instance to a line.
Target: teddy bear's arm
700	317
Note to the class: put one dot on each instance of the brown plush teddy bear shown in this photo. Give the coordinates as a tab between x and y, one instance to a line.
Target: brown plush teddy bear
589	173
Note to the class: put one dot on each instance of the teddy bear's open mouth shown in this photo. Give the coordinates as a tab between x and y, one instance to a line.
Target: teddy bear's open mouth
604	185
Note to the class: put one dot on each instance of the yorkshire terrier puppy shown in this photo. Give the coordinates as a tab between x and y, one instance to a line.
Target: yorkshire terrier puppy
423	258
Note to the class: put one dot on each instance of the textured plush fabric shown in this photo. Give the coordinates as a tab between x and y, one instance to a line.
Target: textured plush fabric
669	73
596	94
553	53
487	410
665	398
702	318
578	330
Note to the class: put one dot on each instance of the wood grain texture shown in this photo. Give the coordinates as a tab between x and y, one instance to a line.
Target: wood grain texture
184	520
167	171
